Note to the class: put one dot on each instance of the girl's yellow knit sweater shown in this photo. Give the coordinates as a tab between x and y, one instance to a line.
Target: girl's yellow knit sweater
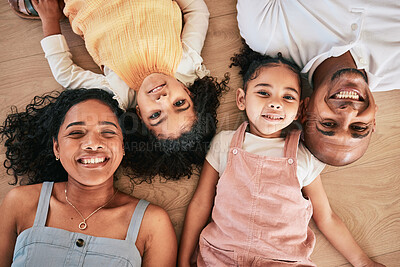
134	38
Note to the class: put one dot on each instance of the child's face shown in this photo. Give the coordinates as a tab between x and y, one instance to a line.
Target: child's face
271	101
165	106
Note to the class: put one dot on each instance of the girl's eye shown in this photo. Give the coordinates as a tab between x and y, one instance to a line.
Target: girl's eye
289	97
180	103
155	115
263	93
328	124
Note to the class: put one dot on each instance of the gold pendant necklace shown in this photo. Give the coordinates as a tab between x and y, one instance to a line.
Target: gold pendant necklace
83	224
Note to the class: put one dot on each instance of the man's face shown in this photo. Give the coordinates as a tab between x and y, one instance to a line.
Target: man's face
339	118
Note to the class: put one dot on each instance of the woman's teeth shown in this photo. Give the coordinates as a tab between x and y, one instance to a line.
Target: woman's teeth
93	160
347	95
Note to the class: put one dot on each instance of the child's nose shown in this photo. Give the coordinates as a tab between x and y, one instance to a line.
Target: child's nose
162	95
275	105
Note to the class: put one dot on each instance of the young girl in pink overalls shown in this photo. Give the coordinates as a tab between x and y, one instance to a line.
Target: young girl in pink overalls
253	179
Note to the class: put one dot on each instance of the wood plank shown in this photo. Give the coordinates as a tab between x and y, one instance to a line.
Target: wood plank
365	194
219	8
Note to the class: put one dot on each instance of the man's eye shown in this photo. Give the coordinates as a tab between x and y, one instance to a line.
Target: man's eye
180	103
155	115
359	128
328	124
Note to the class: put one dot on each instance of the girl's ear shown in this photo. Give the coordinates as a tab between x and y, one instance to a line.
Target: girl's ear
241	99
56	149
303	109
138	112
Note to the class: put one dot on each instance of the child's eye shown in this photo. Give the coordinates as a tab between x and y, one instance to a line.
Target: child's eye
289	97
263	93
155	115
180	103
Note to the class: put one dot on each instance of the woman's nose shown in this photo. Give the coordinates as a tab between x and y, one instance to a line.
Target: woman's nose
93	142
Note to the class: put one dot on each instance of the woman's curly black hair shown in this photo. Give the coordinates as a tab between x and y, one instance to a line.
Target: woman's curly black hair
28	135
174	158
250	63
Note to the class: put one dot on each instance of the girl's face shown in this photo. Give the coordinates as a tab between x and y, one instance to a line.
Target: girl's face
165	106
271	101
90	143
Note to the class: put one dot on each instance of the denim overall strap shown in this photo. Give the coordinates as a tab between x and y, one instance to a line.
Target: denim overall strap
136	220
43	204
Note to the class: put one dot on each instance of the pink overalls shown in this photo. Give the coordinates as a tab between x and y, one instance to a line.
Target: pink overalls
260	217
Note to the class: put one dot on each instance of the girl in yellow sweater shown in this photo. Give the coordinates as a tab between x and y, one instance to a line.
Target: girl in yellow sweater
151	64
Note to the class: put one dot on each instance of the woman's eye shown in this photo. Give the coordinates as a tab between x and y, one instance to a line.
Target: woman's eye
75	133
328	124
155	115
108	132
180	103
289	97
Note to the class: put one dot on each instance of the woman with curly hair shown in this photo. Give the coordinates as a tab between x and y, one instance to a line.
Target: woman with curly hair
150	63
67	147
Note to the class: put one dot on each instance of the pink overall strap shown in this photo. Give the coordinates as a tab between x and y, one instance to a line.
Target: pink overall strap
292	144
238	137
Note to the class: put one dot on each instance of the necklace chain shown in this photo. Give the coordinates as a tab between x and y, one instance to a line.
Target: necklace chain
83	224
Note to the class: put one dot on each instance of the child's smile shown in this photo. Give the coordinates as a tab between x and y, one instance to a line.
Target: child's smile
271	100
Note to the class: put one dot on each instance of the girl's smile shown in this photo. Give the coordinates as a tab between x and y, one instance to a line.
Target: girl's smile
271	100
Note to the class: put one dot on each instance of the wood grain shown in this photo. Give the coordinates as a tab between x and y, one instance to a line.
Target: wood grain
365	194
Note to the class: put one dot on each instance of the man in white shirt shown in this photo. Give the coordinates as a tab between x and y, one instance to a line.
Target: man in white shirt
348	49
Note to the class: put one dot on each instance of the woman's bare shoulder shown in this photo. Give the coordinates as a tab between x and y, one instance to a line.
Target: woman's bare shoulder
20	205
23	194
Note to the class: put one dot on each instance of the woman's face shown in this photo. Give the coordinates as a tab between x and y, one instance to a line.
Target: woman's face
165	107
90	143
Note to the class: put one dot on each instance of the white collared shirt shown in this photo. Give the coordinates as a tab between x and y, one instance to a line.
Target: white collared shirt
308	32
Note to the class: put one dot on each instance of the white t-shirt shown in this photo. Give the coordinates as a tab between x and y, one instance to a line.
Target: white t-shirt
308	167
308	32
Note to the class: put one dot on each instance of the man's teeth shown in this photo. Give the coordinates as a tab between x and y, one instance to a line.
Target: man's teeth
347	95
93	160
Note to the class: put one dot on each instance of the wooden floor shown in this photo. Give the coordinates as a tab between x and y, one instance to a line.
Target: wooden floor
366	194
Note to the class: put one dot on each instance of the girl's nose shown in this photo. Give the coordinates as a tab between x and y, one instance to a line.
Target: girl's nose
274	106
162	95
